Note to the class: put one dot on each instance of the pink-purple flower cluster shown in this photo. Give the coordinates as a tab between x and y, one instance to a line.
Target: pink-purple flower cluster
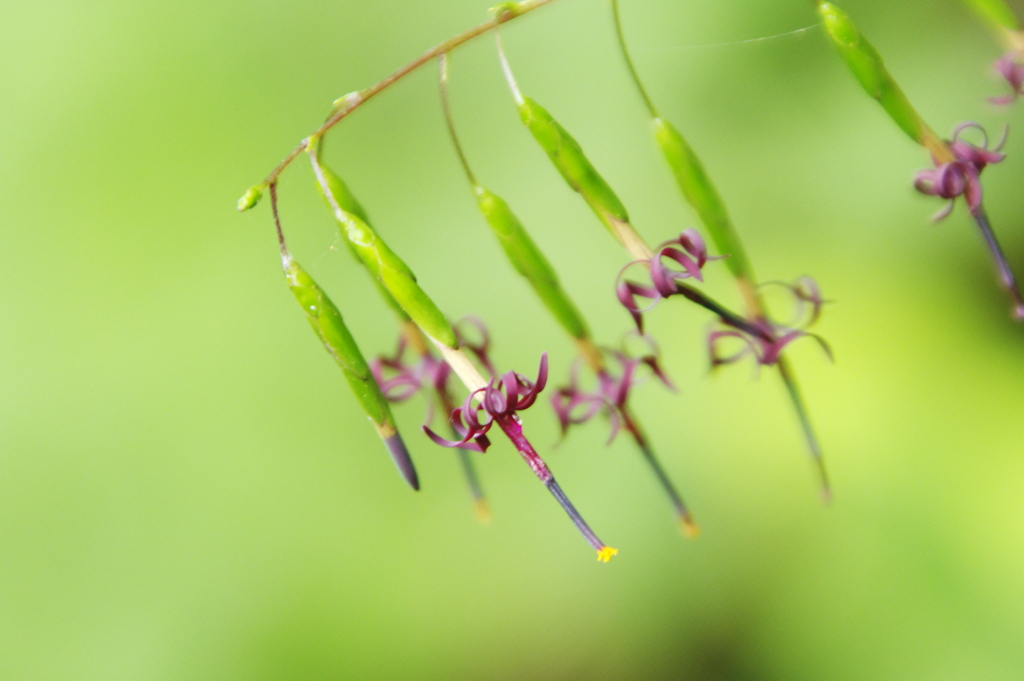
500	399
1011	69
766	348
688	250
961	177
575	405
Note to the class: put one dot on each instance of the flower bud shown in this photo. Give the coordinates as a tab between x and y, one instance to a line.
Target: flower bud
250	198
348	203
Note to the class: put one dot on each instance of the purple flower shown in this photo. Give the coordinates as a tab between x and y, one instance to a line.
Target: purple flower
1010	68
499	401
767	347
573	405
401	380
961	177
687	250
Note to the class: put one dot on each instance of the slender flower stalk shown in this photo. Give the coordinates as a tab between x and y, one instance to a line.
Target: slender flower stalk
958	165
412	337
346	105
701	193
528	260
327	323
501	400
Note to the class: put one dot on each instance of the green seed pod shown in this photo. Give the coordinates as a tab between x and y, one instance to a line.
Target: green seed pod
330	328
572	163
341	193
385	265
528	261
700	193
348	203
250	198
867	66
997	12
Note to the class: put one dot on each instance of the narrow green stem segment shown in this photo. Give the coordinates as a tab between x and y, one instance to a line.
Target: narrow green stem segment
870	71
385	266
506	12
805	422
996	12
621	35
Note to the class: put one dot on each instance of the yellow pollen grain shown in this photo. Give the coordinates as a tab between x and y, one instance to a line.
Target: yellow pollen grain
483	511
606	553
689	528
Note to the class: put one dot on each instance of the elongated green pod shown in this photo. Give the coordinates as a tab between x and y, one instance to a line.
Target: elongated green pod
700	192
869	69
528	261
996	12
567	155
342	194
330	328
580	174
350	204
385	266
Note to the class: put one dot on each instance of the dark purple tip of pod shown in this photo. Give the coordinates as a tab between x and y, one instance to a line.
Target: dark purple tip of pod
400	455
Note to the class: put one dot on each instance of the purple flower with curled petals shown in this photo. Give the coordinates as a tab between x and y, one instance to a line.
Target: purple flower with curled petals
767	347
574	405
961	177
400	380
1012	70
688	250
499	401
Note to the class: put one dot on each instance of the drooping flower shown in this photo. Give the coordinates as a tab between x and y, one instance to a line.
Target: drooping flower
961	177
574	405
1009	66
767	347
504	396
688	250
499	403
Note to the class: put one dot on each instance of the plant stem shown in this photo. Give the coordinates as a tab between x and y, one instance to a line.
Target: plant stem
1006	276
277	221
442	64
629	61
805	422
686	523
363	96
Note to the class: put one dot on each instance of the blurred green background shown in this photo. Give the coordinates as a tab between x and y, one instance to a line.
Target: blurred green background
188	491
